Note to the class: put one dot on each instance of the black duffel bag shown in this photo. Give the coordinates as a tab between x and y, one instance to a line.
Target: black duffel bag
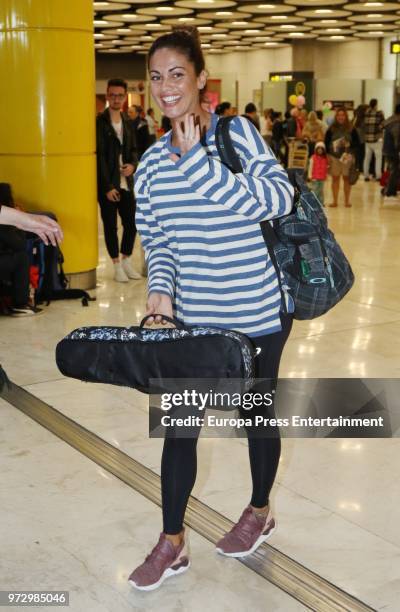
133	356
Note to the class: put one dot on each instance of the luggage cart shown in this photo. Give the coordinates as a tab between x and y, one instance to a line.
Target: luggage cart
298	155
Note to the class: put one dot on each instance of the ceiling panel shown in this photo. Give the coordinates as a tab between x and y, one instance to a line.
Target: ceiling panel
225	25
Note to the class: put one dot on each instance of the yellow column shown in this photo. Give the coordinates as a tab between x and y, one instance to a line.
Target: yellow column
47	117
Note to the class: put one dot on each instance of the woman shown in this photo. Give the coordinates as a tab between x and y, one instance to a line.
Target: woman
208	265
312	131
341	142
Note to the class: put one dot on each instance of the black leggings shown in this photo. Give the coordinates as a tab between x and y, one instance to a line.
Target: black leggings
126	208
179	458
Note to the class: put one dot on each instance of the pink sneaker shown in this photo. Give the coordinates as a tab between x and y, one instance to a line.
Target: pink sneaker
247	535
164	561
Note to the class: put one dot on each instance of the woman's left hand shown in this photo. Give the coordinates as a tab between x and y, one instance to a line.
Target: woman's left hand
187	134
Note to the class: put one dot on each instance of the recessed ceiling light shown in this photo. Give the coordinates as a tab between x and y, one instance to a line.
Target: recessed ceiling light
253	31
100	4
266	6
278	16
151	25
164	8
287	27
224	13
239	22
374	15
100	22
186	18
98	35
324	11
334	29
375	32
337	37
205	28
129	16
270	44
373	3
329	21
205	45
124	30
296	34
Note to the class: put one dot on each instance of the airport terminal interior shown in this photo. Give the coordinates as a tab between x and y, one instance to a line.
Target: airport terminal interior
80	486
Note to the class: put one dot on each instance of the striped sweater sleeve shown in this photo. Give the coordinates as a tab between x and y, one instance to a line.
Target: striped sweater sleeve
261	192
158	255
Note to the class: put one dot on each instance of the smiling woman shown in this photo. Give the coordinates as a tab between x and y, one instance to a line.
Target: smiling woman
208	265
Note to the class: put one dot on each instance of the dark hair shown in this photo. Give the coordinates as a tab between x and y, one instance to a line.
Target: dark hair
250	108
319	114
150	110
359	115
6	197
186	40
117	83
224	106
373	102
347	124
397	109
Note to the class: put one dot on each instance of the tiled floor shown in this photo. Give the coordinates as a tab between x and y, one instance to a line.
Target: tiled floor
336	501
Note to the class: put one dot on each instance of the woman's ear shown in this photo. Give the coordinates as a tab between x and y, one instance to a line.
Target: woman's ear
202	79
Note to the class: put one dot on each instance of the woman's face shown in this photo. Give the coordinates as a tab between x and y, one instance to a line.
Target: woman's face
174	84
341	117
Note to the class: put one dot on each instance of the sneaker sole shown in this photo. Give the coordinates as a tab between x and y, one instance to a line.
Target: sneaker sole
245	553
169	572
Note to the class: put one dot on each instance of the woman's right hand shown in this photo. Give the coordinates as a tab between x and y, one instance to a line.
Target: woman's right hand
161	304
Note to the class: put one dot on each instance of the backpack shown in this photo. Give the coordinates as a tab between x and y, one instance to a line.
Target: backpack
308	261
46	270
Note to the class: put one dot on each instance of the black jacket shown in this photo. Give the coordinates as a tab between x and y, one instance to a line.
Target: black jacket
391	137
109	149
142	135
352	138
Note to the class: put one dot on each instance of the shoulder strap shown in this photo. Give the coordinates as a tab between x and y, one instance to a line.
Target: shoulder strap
230	158
224	144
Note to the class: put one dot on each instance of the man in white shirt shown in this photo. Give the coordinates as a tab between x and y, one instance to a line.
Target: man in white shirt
116	163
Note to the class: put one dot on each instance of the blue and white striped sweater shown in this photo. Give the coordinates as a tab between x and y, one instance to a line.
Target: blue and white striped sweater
199	226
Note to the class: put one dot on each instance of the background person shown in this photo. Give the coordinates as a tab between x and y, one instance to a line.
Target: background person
179	221
266	123
14	260
341	141
47	229
116	162
152	125
312	131
358	122
141	128
391	150
373	134
318	170
251	113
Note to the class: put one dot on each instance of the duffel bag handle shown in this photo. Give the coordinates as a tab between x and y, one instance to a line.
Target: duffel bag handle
177	323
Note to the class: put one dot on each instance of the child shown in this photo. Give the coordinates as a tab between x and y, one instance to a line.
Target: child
319	170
